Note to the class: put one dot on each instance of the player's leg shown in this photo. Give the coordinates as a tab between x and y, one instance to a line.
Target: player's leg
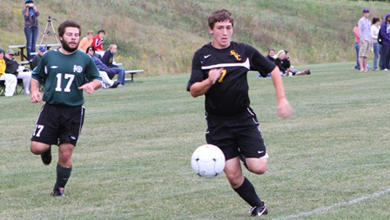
257	165
43	149
64	168
73	118
244	187
44	134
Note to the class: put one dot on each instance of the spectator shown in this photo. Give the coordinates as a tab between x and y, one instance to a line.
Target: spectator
291	71
35	61
356	32
108	59
364	26
12	67
279	57
10	79
30	14
271	54
385	32
97	42
376	24
106	73
86	41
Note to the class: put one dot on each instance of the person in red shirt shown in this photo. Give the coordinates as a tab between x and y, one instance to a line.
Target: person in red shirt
97	41
356	32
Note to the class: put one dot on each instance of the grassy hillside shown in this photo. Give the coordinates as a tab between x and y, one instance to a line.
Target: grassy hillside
161	36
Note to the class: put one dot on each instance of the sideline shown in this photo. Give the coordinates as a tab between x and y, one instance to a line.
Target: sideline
316	211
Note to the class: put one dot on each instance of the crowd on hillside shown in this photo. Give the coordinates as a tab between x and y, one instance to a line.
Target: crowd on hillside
372	37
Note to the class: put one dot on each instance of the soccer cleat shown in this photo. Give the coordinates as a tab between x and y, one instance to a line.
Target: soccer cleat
60	191
46	156
307	72
258	211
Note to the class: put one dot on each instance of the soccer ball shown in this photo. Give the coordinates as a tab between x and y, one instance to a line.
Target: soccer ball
208	161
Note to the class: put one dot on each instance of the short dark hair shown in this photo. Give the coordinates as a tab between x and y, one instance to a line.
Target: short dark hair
219	16
65	24
101	30
375	19
90	47
286	51
271	50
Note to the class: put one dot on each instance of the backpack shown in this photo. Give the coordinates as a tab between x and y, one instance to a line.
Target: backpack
380	38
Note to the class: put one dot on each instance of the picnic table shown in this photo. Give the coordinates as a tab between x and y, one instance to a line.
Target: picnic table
22	47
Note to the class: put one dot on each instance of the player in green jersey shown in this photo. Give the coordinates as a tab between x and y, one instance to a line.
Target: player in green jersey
64	73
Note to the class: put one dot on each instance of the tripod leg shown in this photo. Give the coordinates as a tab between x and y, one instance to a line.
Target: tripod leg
44	32
55	33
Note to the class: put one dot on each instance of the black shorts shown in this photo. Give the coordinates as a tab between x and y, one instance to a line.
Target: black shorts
58	124
238	134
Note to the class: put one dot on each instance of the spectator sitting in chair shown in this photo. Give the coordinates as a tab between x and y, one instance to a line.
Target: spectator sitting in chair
290	69
13	67
108	59
106	73
10	79
35	61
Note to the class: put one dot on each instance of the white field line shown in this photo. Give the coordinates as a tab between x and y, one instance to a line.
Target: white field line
322	209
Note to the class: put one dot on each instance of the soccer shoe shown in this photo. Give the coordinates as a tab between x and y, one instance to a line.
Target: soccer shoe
60	191
46	156
258	211
115	84
307	72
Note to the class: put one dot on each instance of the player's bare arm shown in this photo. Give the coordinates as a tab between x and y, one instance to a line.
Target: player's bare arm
284	109
200	88
91	86
36	96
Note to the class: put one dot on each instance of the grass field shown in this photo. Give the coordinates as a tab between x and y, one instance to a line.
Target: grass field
329	161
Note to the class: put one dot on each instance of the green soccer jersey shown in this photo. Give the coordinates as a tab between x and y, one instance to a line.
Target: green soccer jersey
63	75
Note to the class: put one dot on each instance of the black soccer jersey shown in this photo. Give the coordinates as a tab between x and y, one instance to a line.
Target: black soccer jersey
63	75
229	95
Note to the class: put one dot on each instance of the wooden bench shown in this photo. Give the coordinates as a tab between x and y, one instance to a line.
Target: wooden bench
132	72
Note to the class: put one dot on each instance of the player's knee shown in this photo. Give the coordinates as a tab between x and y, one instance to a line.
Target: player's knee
257	166
258	170
38	148
65	156
235	179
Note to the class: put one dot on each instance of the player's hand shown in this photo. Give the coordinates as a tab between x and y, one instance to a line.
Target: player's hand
284	109
36	96
87	88
214	75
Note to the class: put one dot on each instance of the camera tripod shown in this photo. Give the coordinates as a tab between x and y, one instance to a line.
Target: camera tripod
46	32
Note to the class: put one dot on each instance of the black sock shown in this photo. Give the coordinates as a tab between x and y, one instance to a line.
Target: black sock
248	193
63	174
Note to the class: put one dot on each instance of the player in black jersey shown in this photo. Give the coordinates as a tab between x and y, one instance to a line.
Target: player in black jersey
219	71
63	73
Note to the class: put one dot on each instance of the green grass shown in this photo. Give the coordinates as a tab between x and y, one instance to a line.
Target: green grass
329	161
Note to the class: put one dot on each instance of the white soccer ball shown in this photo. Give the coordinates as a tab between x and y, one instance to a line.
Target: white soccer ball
208	161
